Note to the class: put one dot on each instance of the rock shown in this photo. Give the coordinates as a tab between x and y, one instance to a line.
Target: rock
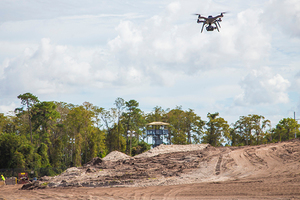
52	184
73	171
94	162
26	186
90	170
34	185
77	185
45	178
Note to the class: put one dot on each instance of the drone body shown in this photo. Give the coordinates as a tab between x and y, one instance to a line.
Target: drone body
211	22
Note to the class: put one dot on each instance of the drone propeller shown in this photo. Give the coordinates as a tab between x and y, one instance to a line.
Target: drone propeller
223	13
199	15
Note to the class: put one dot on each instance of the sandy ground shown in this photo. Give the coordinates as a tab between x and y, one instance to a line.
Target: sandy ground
254	172
246	189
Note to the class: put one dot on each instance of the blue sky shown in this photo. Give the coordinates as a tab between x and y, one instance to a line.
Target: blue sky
153	52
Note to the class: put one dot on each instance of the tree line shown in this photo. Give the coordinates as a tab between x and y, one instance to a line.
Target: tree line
49	134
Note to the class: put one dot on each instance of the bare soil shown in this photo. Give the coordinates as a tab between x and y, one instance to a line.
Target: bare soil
269	171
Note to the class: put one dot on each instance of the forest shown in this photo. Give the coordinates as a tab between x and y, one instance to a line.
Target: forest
53	136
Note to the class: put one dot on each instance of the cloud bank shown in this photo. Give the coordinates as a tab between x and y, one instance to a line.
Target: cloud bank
251	62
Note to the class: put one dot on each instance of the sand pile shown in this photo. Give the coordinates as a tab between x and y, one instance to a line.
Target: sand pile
116	155
163	149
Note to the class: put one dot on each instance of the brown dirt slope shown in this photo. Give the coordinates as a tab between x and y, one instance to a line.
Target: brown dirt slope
263	171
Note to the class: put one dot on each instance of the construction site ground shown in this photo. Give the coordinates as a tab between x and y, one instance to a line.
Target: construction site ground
270	171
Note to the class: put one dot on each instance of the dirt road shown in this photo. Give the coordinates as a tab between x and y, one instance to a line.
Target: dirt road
245	189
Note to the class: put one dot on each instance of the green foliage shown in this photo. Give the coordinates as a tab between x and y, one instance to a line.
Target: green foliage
4	121
47	171
120	105
217	130
140	147
28	100
56	153
158	115
112	140
285	130
250	130
44	118
177	131
15	151
56	135
186	127
193	124
132	120
43	152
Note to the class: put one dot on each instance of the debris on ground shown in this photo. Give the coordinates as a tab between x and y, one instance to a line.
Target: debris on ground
181	164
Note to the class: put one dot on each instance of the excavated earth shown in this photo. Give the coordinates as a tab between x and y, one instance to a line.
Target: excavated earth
270	171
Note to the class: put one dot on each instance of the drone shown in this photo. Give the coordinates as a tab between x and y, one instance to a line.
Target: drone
210	21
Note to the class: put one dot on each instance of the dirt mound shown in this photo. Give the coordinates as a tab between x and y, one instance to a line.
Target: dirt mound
163	149
186	164
116	155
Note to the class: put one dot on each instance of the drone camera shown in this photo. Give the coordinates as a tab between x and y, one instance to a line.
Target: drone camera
210	28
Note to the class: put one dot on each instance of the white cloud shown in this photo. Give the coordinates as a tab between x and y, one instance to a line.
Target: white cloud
141	52
263	87
252	40
55	69
284	15
153	51
174	7
7	107
163	40
297	76
49	69
129	37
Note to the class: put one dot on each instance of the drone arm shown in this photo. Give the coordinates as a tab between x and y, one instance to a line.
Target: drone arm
200	17
219	16
199	21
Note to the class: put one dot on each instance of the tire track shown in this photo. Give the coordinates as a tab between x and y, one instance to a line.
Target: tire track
218	166
253	158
